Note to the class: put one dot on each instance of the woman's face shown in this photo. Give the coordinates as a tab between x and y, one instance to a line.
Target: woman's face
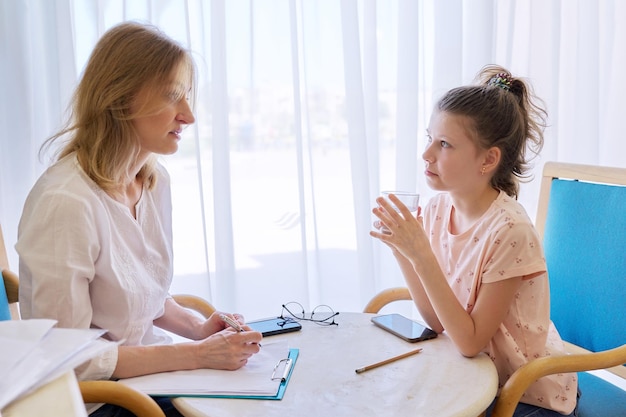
453	161
163	115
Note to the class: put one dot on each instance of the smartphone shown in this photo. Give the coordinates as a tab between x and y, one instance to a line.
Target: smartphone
403	327
278	325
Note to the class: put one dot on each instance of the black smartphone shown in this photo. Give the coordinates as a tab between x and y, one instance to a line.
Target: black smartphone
403	327
269	327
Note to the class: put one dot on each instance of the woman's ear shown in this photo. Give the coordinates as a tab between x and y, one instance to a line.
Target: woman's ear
492	159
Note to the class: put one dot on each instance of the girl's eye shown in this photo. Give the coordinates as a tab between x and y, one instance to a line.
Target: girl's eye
429	139
444	144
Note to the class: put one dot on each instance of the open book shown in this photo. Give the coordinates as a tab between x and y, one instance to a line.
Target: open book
265	376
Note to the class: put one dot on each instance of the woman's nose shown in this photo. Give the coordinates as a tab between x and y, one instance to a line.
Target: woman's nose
185	114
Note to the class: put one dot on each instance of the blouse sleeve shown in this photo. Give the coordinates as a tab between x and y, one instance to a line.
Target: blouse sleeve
58	246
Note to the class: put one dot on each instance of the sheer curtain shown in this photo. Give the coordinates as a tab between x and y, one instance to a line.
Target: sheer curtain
306	110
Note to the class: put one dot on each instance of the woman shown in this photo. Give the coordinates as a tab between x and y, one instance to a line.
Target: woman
95	237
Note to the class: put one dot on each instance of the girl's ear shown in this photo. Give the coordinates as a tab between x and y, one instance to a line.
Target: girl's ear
492	159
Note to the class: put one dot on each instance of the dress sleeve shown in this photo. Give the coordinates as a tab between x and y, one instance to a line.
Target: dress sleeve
515	251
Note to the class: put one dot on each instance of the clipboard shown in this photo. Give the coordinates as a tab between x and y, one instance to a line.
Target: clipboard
293	356
265	378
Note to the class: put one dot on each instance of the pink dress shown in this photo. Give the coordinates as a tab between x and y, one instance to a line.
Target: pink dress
504	244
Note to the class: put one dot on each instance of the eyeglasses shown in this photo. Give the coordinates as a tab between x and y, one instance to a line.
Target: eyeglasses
322	314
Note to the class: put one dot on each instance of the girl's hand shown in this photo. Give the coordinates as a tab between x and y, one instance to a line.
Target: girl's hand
402	232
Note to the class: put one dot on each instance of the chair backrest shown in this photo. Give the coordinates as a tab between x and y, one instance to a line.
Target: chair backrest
582	217
385	297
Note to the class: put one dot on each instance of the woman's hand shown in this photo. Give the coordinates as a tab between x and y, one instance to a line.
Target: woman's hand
227	349
215	324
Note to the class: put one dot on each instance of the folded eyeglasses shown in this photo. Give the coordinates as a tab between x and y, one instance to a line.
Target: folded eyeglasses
323	314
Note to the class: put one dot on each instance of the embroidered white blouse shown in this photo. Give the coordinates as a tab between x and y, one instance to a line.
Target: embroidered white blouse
85	261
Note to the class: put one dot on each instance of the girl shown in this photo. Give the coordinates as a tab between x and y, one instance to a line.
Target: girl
474	263
95	238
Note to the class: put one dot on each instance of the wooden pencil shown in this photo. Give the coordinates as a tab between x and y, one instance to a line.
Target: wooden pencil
386	361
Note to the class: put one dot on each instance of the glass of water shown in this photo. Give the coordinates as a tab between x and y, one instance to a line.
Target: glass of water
410	200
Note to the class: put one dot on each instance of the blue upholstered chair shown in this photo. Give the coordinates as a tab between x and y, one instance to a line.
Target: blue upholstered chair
582	218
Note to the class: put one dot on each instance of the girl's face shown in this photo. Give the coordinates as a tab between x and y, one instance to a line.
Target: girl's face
453	161
163	114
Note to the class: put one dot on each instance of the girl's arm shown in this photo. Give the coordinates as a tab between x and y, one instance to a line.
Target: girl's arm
419	296
440	308
470	332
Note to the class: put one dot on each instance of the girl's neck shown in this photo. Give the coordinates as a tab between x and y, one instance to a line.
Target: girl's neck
466	210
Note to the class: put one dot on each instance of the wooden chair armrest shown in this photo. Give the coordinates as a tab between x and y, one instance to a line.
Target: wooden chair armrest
385	297
195	303
619	370
111	392
11	285
532	371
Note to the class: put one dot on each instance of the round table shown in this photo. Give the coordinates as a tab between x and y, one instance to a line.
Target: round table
438	381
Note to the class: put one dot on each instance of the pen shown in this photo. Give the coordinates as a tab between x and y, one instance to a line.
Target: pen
233	323
386	361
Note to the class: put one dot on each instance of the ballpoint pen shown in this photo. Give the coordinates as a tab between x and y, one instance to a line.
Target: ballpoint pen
233	323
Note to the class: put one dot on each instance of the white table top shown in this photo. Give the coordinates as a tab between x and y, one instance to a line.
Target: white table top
439	381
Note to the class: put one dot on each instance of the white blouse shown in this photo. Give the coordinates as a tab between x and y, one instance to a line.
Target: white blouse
85	261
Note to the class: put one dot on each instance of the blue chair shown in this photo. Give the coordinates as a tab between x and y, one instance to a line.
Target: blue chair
582	218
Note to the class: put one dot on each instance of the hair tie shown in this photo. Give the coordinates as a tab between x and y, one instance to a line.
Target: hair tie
502	80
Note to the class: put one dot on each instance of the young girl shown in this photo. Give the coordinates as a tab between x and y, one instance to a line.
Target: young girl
95	238
474	263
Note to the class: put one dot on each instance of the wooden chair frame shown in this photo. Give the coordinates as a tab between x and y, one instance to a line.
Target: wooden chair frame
385	297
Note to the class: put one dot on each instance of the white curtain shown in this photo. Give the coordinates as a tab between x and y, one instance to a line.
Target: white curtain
306	110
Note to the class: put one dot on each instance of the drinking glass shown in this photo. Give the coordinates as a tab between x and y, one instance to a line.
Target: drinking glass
409	199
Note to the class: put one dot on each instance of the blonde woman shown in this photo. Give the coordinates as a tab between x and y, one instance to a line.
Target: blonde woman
95	237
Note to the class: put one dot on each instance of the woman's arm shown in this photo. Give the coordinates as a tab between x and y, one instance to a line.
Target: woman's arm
187	323
227	349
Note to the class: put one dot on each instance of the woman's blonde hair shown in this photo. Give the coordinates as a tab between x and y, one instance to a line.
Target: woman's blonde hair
128	58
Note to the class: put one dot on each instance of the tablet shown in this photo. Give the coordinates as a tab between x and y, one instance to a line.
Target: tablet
274	326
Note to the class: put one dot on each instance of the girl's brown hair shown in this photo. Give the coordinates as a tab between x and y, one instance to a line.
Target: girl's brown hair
506	114
128	58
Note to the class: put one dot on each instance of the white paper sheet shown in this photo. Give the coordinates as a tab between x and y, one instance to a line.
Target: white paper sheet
34	353
255	378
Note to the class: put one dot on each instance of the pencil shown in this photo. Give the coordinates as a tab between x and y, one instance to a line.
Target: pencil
386	361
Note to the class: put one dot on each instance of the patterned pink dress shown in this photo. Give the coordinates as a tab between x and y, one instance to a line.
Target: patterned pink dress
504	244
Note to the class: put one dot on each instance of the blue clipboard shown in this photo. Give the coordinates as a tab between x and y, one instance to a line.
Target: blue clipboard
293	356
